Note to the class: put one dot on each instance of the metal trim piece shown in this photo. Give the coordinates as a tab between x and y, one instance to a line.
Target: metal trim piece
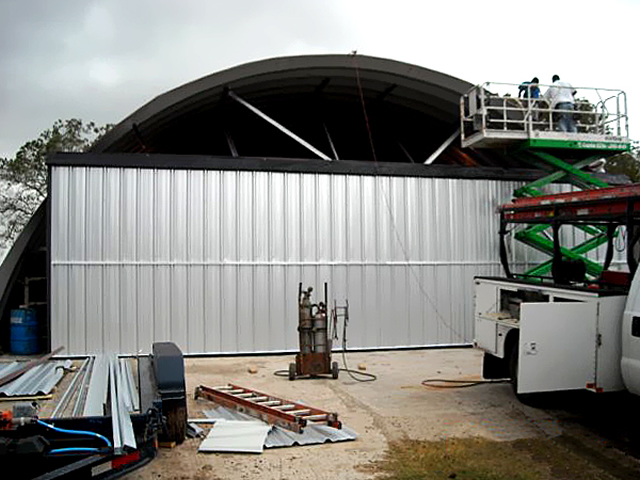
72	388
345	167
97	393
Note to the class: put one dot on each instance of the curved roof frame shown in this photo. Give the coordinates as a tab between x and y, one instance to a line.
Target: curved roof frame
339	77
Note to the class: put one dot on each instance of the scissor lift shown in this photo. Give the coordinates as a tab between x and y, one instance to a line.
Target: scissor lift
527	129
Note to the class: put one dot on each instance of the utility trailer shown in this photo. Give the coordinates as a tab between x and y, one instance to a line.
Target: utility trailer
83	447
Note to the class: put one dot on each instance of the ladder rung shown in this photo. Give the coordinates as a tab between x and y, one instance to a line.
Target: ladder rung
315	418
269	403
288	406
244	395
304	411
234	392
259	399
223	387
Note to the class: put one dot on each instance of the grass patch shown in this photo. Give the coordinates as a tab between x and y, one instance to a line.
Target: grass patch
481	459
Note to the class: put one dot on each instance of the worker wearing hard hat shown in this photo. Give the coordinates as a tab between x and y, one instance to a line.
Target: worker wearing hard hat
559	96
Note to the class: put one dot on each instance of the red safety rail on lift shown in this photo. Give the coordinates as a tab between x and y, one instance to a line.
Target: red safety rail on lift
585	205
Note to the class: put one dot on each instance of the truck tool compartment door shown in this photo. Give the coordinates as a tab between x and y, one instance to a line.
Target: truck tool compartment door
557	347
631	338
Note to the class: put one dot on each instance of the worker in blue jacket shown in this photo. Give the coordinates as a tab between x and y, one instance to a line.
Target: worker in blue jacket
529	89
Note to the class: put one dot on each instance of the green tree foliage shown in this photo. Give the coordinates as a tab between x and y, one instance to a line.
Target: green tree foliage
626	163
23	178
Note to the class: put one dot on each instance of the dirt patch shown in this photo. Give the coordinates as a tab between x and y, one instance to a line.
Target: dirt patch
559	458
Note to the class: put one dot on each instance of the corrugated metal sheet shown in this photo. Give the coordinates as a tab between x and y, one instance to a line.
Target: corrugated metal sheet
245	436
280	437
212	259
39	380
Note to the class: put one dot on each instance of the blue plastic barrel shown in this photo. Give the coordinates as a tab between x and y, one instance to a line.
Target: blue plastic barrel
24	331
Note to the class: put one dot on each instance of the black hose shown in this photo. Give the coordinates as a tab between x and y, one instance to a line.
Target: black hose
367	377
370	376
430	382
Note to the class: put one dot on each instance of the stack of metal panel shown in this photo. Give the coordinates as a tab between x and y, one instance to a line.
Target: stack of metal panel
104	385
40	380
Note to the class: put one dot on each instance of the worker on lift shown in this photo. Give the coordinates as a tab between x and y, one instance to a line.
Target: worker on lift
529	89
560	97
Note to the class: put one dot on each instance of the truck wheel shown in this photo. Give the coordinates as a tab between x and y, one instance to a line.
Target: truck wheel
335	370
292	371
175	413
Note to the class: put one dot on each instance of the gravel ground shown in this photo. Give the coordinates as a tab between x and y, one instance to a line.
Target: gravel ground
395	407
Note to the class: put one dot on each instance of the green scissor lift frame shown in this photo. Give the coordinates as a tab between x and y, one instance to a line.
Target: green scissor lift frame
548	154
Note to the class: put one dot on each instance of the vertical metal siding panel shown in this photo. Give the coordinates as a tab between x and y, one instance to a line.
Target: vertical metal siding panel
213	236
145	287
230	217
324	224
112	253
77	313
402	252
370	330
354	275
247	222
212	307
261	315
293	253
386	243
178	325
162	273
279	322
128	319
229	334
308	226
60	334
293	224
415	329
60	213
261	310
245	216
383	227
59	197
93	274
111	218
196	272
338	219
355	196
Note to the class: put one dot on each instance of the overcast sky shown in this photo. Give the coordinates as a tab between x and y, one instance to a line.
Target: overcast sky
101	60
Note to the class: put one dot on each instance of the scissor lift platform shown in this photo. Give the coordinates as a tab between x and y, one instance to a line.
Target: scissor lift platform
492	118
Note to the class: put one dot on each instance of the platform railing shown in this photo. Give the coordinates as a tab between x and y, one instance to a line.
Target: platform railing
498	107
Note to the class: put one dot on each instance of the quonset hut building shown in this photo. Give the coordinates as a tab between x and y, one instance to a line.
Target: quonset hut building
195	218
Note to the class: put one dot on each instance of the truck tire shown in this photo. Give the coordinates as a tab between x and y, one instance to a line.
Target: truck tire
175	412
335	370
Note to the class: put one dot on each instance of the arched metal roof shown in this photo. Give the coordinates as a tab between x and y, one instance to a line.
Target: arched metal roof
410	111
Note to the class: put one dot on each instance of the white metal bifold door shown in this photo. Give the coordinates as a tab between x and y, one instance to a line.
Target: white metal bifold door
557	346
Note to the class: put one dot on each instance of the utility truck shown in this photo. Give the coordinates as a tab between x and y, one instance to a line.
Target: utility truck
572	321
